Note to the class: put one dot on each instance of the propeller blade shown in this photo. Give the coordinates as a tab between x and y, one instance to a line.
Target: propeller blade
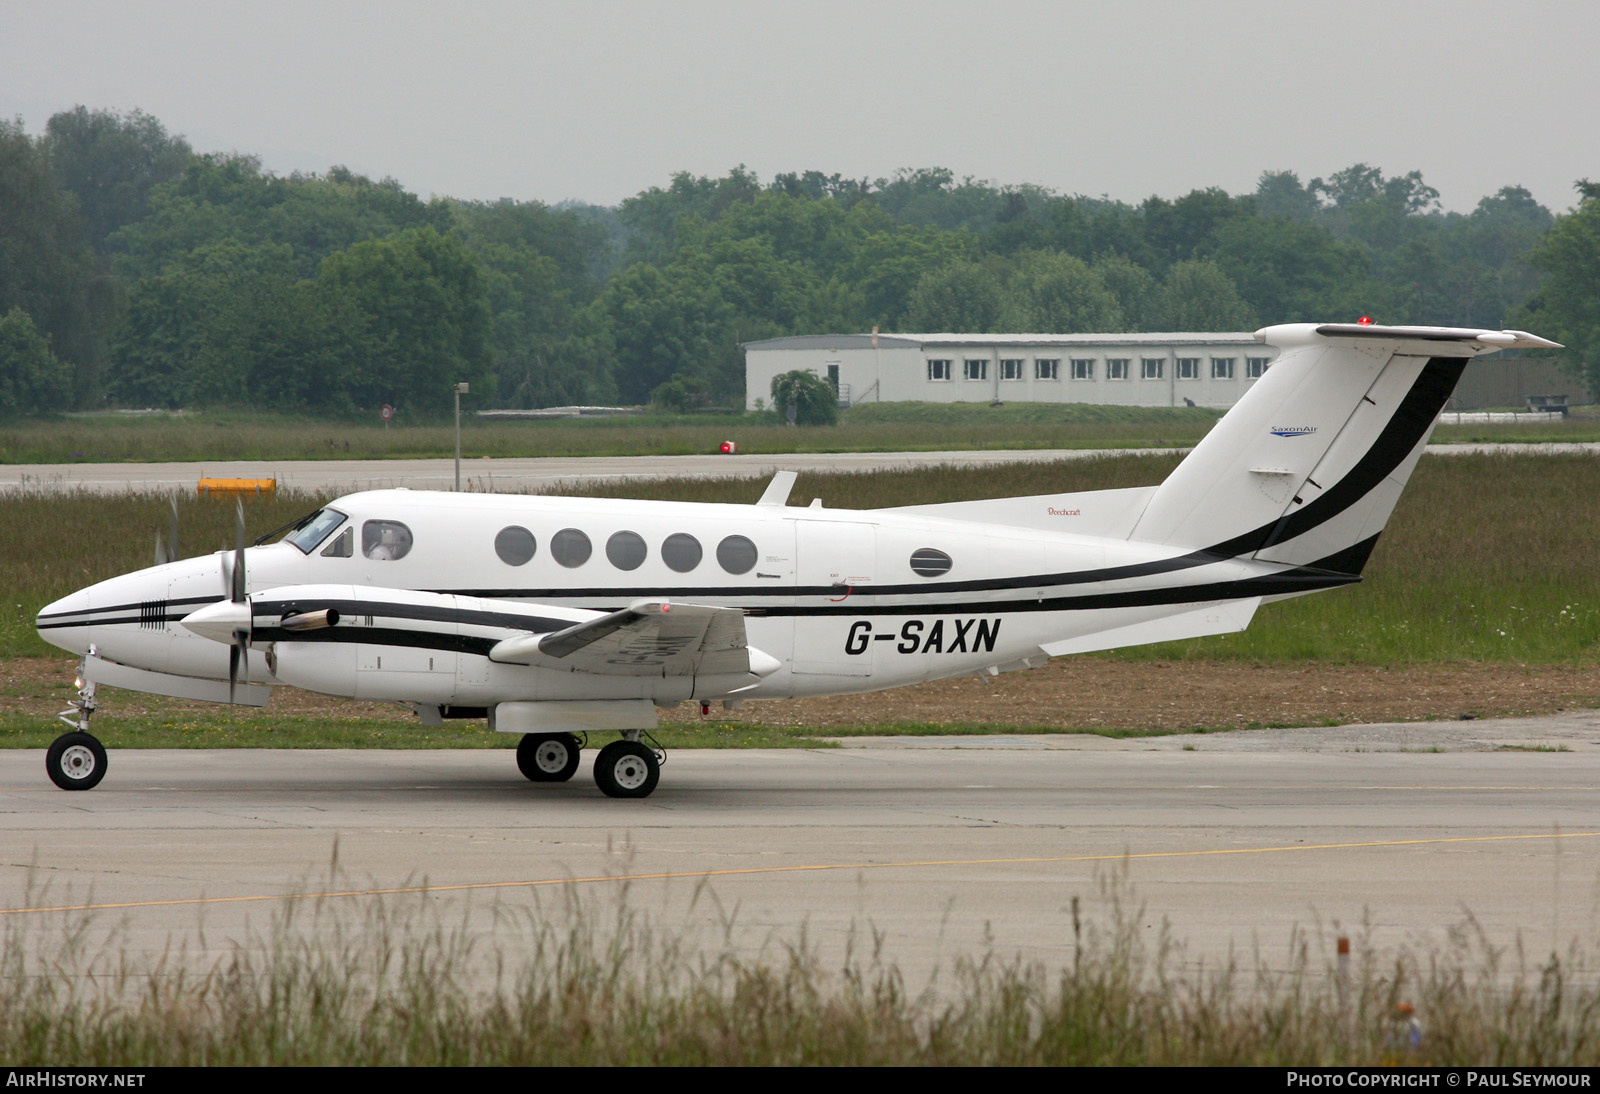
161	553
237	585
238	658
172	540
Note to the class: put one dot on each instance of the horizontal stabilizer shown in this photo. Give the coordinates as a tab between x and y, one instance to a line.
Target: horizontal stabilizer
1223	617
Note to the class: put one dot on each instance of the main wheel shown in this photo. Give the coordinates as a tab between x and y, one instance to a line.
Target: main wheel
76	761
548	757
626	769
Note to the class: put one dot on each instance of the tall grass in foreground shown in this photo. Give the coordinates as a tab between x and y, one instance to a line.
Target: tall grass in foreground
1487	558
385	981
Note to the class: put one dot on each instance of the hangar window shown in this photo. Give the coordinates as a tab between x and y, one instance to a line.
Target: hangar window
1188	368
1255	367
930	562
515	545
1083	368
1151	368
681	552
1011	369
736	554
1116	368
314	529
1222	368
1047	368
977	368
342	545
626	550
385	540
938	369
570	547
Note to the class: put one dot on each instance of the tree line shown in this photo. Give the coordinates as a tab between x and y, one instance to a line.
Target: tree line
135	271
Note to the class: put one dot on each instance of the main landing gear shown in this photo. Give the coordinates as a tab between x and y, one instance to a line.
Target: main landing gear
628	768
77	760
548	757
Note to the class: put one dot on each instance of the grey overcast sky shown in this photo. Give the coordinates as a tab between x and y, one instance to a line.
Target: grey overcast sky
599	100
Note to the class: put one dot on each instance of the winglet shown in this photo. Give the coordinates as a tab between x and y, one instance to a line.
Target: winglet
777	491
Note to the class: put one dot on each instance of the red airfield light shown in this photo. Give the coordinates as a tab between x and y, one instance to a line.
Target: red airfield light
728	448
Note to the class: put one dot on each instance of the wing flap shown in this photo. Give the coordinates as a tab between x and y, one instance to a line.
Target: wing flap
647	638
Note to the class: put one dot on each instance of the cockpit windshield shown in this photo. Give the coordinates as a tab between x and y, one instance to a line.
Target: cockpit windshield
314	529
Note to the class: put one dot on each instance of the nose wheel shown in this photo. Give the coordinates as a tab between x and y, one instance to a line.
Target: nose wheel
76	761
627	769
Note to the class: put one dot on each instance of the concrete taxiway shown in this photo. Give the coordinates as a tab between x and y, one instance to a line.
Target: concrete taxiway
937	848
544	473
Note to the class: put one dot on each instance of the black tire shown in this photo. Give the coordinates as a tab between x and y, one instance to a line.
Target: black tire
548	757
76	761
626	769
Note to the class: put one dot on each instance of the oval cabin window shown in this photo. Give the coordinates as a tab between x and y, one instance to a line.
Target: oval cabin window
681	552
736	554
626	550
570	547
515	545
929	562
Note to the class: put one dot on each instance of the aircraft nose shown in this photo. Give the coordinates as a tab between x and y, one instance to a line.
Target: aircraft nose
66	622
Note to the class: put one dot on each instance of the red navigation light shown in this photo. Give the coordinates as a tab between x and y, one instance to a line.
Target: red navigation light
728	448
665	607
1365	320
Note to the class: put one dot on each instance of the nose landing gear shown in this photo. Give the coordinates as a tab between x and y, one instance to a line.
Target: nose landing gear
77	760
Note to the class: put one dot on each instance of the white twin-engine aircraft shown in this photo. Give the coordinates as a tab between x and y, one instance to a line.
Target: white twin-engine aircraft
555	617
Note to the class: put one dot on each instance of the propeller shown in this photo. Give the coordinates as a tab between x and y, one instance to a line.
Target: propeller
234	585
168	552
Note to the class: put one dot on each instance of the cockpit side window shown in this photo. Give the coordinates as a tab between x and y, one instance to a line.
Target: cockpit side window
315	529
385	540
341	545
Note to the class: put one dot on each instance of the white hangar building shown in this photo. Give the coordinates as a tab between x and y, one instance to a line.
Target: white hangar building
1121	369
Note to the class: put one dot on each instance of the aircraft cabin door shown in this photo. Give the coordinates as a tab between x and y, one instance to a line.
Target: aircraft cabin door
833	560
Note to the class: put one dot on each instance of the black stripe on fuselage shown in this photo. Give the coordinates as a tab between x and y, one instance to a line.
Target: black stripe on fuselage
1294	581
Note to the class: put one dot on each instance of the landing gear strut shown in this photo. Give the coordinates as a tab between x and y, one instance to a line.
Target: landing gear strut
627	769
548	757
77	760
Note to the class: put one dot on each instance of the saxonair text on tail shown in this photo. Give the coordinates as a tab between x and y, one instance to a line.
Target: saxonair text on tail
555	618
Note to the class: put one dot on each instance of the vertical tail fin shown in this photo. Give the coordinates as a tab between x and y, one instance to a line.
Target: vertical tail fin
1306	468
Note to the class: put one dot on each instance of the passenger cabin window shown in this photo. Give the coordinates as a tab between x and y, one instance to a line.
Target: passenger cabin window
314	529
681	552
341	545
385	540
737	555
626	550
570	547
515	545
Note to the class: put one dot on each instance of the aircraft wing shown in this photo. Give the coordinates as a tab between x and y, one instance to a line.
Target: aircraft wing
647	638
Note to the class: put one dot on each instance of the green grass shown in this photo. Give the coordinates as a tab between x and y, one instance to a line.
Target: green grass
235	435
389	980
883	427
